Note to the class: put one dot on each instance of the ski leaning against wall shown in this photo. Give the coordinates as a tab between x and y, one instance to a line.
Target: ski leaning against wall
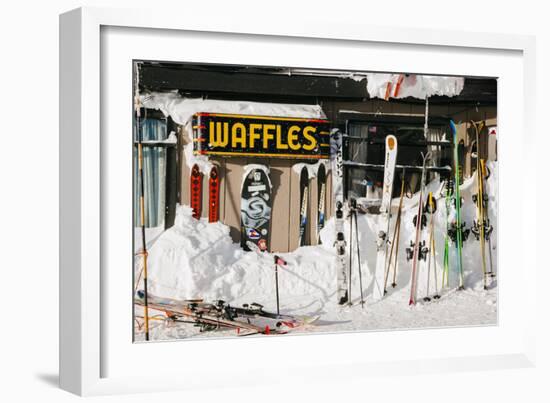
338	192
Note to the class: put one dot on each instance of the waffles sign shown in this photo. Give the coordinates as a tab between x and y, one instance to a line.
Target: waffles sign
263	136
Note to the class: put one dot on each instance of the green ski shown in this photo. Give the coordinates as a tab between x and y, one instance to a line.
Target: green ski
458	227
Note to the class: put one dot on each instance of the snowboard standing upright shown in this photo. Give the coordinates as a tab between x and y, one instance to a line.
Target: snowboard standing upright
196	191
256	209
213	196
384	219
304	195
321	194
338	191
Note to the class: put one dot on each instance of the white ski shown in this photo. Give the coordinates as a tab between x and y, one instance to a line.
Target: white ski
338	191
384	218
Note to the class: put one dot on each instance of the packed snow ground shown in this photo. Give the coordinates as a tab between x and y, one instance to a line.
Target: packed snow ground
197	259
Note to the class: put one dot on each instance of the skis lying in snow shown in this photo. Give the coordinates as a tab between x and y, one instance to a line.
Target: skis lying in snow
219	314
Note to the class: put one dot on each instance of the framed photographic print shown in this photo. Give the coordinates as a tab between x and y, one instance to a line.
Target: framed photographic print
331	197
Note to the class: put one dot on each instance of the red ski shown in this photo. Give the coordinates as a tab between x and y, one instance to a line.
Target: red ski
196	191
214	196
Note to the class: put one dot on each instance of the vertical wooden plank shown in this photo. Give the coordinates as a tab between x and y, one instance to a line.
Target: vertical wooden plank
205	192
234	168
279	228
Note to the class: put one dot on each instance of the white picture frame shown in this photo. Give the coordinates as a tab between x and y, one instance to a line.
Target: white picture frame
92	359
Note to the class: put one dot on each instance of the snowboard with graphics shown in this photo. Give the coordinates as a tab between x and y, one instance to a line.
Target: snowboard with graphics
256	208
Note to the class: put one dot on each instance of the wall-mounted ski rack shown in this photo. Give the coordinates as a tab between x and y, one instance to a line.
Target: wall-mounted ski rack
408	168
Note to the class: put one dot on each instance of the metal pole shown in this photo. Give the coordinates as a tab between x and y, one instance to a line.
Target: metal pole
142	219
277	283
359	258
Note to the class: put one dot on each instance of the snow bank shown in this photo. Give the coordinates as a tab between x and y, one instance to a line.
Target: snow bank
387	86
197	259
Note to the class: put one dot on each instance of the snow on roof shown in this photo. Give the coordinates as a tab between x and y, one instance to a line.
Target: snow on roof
387	85
182	109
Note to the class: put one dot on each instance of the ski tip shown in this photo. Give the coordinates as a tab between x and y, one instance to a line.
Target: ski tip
453	126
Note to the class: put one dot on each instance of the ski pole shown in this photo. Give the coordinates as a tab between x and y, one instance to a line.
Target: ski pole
358	258
277	283
142	219
350	254
430	210
433	202
278	261
395	238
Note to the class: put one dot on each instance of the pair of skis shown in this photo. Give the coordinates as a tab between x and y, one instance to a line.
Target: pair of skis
457	232
213	193
418	249
336	145
481	227
248	319
304	201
